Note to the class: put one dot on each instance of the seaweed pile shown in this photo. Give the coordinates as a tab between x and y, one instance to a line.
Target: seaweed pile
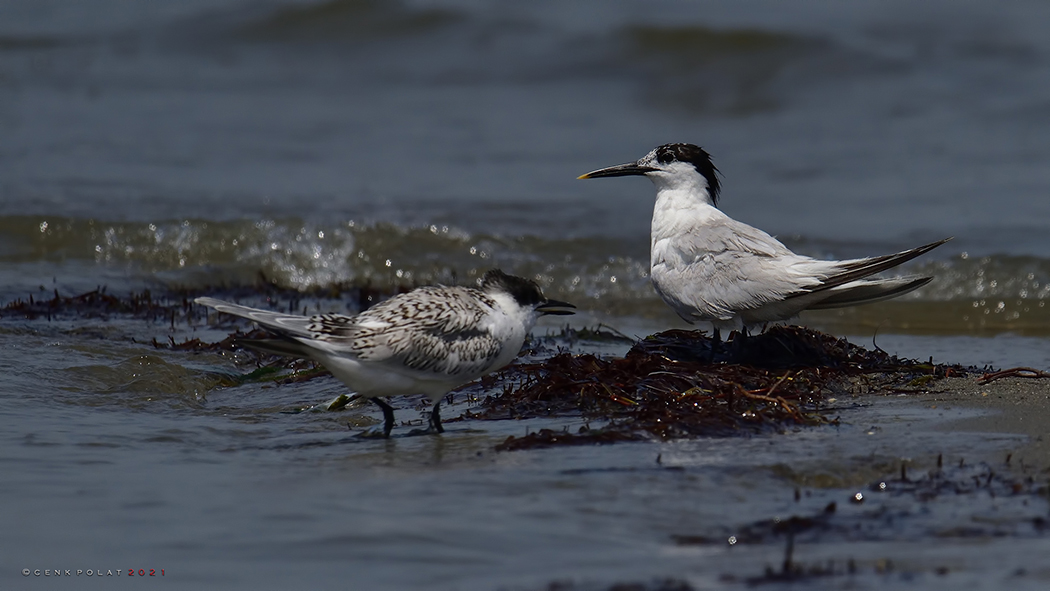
94	304
177	305
674	385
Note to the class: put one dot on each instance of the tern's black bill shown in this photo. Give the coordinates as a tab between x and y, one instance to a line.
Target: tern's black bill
629	169
556	308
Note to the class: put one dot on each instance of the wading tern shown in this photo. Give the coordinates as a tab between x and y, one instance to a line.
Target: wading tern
428	341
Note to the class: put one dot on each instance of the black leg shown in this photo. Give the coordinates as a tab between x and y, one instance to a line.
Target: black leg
740	336
739	342
716	341
388	416
435	418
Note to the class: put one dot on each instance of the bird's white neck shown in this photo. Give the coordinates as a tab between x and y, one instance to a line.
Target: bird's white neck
518	315
680	207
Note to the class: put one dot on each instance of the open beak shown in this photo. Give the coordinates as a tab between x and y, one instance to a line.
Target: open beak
556	308
629	169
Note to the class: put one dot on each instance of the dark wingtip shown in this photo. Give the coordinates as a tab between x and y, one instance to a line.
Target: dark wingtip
928	247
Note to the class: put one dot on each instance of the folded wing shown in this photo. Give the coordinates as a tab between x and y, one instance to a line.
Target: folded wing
742	268
432	330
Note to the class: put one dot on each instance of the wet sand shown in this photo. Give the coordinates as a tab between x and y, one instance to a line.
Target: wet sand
1008	405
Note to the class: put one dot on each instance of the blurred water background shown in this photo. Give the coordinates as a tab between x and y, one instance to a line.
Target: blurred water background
197	144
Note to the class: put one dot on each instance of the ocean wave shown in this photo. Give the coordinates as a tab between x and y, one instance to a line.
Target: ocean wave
306	254
604	275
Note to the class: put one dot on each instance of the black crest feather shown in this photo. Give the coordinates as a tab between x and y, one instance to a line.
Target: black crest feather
524	291
696	156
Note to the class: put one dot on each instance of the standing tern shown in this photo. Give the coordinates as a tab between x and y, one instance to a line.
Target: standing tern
710	267
428	341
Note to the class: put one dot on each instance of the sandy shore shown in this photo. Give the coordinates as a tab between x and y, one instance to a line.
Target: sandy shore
1012	405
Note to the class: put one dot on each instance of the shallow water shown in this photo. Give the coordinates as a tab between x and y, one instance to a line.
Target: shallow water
217	145
219	501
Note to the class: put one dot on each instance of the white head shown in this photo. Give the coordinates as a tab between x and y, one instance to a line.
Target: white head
672	167
521	298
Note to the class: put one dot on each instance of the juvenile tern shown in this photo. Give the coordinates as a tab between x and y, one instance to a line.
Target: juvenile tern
710	267
428	341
